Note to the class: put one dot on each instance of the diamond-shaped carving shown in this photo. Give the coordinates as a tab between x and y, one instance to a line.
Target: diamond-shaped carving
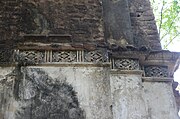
64	56
94	56
33	56
126	64
156	71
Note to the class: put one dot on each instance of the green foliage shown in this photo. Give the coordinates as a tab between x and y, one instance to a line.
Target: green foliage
167	14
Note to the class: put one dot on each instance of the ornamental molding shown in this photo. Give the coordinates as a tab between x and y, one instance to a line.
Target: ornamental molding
152	66
58	49
156	71
125	64
50	56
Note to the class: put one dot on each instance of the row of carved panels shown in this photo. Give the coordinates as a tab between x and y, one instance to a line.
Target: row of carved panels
36	57
62	56
133	64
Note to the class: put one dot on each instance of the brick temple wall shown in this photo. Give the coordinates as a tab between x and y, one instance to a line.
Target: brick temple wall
143	24
9	28
85	20
81	19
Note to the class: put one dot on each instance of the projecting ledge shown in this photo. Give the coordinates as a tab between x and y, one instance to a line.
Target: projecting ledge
66	64
157	79
133	72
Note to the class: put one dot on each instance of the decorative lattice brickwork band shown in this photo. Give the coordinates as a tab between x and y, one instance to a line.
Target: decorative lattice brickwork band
61	56
156	71
32	56
126	64
95	56
64	56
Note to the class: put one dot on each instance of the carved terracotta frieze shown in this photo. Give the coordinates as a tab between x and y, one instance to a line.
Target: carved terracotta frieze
33	56
64	56
126	64
55	56
95	56
156	71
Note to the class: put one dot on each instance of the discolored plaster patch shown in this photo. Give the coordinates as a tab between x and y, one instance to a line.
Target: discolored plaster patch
38	96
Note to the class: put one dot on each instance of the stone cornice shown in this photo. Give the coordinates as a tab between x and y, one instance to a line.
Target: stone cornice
130	72
60	49
76	64
154	63
160	56
156	79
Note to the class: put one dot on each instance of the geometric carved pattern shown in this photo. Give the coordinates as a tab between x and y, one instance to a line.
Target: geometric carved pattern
50	56
64	56
156	71
33	56
95	56
126	64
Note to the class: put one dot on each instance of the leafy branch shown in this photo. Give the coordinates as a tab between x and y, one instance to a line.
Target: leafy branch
167	18
171	40
161	18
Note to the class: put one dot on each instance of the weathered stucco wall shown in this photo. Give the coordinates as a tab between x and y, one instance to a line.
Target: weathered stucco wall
160	100
56	92
6	93
83	91
127	98
134	99
92	87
